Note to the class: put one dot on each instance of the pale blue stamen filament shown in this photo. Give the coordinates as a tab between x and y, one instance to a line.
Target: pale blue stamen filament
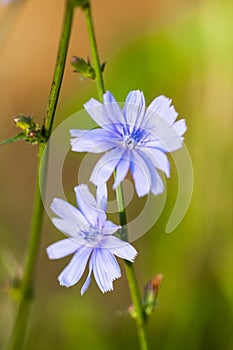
135	138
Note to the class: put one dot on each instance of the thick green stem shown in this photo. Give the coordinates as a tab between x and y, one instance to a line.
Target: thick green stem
60	66
130	273
26	296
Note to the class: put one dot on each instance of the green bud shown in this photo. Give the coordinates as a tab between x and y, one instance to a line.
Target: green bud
31	132
83	67
132	312
12	287
24	123
150	294
149	300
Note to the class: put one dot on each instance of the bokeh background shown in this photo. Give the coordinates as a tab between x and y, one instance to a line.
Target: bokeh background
184	50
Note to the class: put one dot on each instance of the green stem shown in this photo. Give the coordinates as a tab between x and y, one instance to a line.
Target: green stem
94	51
26	296
130	273
59	67
131	276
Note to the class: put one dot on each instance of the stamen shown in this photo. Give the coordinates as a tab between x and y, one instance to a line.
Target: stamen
136	138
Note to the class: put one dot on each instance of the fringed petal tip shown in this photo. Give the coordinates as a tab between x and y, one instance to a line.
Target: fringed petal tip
110	288
132	259
62	284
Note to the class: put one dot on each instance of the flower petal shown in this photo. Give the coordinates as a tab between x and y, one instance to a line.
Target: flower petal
67	211
162	105
105	166
157	126
120	248
73	231
88	280
141	174
95	141
102	196
99	114
99	267
62	248
165	138
77	132
134	109
171	141
68	227
105	269
75	269
159	121
110	229
122	168
113	111
112	267
158	158
157	186
88	206
180	127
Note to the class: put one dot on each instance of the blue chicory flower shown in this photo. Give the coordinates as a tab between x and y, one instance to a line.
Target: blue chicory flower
136	138
90	238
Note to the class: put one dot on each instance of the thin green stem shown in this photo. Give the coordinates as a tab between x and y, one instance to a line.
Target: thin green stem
94	51
130	273
26	296
122	212
131	276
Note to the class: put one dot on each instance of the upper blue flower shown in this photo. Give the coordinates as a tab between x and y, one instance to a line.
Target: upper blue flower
136	138
90	238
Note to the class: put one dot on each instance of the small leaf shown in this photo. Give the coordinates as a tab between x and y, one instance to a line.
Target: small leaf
20	136
102	66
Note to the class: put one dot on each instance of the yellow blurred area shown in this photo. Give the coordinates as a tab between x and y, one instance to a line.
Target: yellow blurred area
184	50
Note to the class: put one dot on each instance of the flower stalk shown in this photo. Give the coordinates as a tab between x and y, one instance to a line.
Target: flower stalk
60	66
94	51
130	273
26	293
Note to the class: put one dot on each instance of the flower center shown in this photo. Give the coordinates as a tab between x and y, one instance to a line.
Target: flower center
92	235
135	138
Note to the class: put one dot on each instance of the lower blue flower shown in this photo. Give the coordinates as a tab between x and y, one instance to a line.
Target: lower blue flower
90	239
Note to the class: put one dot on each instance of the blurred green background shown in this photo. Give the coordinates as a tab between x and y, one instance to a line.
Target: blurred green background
184	50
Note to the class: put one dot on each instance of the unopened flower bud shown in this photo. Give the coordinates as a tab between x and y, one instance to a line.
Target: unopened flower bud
83	67
150	295
24	122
